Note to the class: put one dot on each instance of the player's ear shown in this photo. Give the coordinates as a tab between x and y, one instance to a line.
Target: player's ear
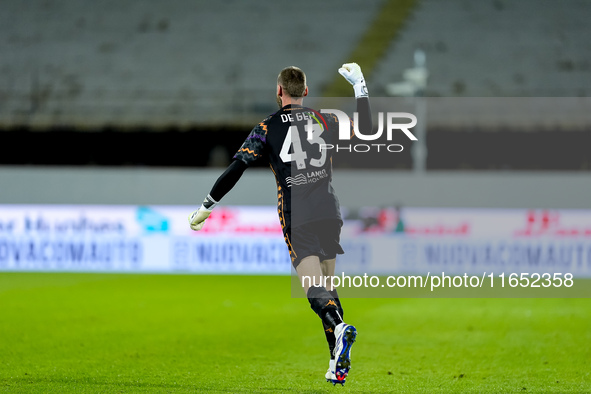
279	90
306	92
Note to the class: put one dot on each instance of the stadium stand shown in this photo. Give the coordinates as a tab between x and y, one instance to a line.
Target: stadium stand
180	62
509	82
496	48
197	73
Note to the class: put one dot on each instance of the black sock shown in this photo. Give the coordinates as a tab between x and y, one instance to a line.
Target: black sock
330	338
325	306
335	295
329	332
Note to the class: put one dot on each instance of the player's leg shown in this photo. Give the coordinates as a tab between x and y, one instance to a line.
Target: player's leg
308	241
344	334
330	240
328	269
341	338
310	272
321	301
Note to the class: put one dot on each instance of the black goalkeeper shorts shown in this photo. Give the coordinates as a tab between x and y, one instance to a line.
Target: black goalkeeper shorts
320	238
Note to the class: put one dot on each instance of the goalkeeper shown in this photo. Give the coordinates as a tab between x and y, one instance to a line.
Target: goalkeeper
292	141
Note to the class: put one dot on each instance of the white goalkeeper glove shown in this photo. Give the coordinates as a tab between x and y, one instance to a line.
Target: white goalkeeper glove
197	218
352	73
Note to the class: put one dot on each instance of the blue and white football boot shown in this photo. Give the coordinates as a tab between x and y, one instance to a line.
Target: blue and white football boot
341	364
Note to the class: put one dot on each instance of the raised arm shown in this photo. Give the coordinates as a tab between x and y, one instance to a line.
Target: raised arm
352	73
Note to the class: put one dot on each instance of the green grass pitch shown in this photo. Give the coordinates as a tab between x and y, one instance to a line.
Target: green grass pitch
110	333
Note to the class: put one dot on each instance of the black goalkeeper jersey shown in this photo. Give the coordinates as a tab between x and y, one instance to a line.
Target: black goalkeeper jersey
294	141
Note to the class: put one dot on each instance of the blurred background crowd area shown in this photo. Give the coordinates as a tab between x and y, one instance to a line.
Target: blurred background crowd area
180	83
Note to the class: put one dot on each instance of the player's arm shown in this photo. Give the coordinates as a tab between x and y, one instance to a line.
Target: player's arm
221	187
250	151
352	73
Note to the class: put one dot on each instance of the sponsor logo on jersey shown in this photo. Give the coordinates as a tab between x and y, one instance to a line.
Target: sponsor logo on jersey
299	179
309	177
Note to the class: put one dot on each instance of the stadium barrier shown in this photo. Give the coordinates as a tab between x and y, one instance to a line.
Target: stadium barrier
248	240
